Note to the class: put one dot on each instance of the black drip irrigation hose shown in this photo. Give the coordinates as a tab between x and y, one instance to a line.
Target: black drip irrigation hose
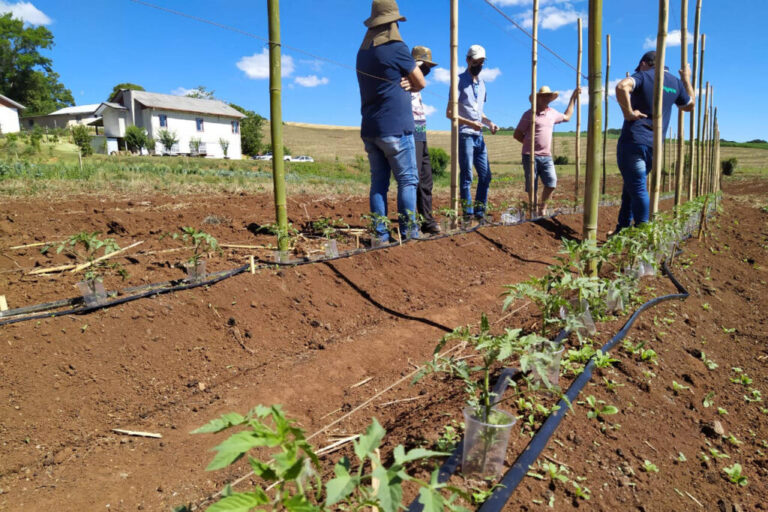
517	472
13	315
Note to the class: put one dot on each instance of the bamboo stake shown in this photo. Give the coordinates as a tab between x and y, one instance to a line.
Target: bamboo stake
715	157
83	266
594	133
658	104
3	303
578	114
710	156
718	168
454	100
276	124
534	63
137	434
698	116
702	141
51	270
607	75
679	164
692	120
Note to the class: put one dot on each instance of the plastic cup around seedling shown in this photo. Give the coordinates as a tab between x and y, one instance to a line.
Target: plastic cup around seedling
196	272
331	249
485	443
550	372
93	292
282	256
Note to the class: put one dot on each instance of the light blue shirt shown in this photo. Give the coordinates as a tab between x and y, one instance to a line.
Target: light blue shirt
472	98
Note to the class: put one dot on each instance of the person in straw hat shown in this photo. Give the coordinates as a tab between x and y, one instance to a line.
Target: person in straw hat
634	151
386	71
546	119
423	57
472	150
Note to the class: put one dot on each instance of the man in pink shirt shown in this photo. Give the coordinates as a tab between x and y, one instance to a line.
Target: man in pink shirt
546	119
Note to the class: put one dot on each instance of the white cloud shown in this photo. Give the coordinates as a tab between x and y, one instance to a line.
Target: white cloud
257	65
443	75
429	110
313	64
25	11
552	18
310	81
673	39
181	91
564	96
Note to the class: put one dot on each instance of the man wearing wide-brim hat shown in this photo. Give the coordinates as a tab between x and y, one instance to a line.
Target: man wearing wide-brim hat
386	71
634	151
423	57
546	119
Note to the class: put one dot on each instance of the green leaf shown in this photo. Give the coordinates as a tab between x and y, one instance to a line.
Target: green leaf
390	492
241	502
340	487
402	458
609	409
370	440
232	449
431	499
219	424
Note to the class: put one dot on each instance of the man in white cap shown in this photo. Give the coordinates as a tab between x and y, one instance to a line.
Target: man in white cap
546	119
472	150
386	72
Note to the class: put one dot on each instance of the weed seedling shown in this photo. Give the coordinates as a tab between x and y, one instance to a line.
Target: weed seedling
681	457
556	473
649	467
735	476
677	388
731	439
721	411
742	379
710	364
580	492
604	360
706	306
754	396
709	400
598	408
717	454
649	355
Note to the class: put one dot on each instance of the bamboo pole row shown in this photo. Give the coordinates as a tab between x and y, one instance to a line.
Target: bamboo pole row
658	103
679	163
692	122
699	115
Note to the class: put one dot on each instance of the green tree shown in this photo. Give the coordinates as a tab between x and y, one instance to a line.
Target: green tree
201	92
125	85
439	159
135	138
167	139
82	139
250	131
26	75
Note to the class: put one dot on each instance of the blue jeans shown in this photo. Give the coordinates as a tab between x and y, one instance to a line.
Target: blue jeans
472	150
635	162
393	155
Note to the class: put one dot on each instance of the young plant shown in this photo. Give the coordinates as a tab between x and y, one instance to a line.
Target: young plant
754	396
85	246
598	408
735	476
556	473
199	241
580	492
649	355
710	364
450	437
604	360
293	472
709	400
677	388
649	467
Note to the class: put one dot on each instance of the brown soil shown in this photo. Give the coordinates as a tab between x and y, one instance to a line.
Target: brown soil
305	336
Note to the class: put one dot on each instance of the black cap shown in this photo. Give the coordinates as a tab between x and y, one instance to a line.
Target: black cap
649	58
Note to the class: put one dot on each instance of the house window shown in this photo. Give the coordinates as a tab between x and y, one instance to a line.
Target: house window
163	121
235	126
199	122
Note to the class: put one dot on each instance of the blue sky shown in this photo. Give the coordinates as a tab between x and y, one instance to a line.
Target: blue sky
100	43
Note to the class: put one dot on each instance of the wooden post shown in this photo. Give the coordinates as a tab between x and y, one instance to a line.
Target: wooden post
607	74
594	133
679	167
534	63
454	100
698	115
276	124
578	115
692	122
658	103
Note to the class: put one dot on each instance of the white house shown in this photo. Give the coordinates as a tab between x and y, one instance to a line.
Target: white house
210	122
9	115
64	117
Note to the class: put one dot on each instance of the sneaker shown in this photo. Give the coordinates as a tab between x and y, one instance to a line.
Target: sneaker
431	229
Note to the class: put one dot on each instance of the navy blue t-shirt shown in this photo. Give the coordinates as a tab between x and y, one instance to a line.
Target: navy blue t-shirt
641	98
386	107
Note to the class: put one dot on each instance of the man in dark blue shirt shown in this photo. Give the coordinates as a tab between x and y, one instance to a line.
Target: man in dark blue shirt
386	72
635	148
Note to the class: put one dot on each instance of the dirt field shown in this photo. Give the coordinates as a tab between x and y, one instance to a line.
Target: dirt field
305	337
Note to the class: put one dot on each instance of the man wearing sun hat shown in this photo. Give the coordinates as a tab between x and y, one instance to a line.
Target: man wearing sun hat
634	151
546	119
386	72
423	57
472	150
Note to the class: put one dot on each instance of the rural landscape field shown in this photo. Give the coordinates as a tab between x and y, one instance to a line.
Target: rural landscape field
339	342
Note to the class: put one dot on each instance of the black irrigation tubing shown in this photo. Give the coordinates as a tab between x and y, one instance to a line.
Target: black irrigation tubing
13	317
220	276
520	468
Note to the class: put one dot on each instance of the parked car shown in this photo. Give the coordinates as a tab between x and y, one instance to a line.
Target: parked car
287	158
267	156
303	158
